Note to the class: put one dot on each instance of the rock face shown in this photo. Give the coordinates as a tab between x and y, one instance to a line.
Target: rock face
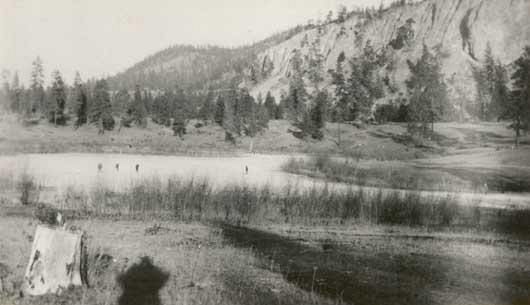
457	30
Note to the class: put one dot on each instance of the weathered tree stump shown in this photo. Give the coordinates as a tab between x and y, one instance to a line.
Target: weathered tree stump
57	261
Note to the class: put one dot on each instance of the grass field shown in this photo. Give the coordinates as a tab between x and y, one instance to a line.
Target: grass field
253	244
222	264
385	142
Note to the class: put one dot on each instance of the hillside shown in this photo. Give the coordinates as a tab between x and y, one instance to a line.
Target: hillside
457	30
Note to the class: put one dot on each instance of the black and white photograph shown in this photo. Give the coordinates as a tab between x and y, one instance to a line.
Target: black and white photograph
264	152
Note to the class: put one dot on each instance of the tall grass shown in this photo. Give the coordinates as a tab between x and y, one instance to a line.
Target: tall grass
28	188
199	200
398	176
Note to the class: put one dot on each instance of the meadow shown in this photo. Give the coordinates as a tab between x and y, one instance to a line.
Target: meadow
252	245
206	242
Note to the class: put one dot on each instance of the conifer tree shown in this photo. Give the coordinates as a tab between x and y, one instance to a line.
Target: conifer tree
517	107
121	103
428	93
219	110
318	115
490	80
363	85
270	106
15	94
37	86
57	100
81	101
297	96
101	108
206	112
138	109
180	112
5	90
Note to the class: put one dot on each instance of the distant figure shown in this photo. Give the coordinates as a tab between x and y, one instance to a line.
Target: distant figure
137	167
100	167
246	170
118	167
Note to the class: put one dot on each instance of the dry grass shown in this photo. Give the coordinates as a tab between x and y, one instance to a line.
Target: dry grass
202	268
198	200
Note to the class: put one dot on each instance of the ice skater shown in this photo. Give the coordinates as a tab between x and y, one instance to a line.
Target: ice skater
246	170
100	167
117	167
137	167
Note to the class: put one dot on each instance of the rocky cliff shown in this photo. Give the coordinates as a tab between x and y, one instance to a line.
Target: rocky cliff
456	30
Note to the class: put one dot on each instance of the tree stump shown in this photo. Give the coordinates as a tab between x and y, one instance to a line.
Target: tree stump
56	261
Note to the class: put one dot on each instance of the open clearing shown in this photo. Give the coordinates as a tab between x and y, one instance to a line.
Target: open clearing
273	261
221	264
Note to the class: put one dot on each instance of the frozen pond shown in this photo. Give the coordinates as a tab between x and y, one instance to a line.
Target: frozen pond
76	169
59	171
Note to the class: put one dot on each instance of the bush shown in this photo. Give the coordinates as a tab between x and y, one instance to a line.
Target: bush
126	121
29	189
108	121
391	113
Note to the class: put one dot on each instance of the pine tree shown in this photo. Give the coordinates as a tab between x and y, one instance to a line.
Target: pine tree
101	108
219	110
138	109
297	95
427	91
270	106
318	115
163	108
315	62
5	100
259	99
81	109
37	85
342	14
180	112
230	124
206	112
15	94
363	85
329	17
517	107
121	103
263	116
57	100
489	78
340	111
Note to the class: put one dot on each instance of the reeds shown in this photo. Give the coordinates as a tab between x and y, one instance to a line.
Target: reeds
199	200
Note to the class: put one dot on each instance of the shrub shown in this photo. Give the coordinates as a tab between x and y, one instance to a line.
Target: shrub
391	113
108	121
29	189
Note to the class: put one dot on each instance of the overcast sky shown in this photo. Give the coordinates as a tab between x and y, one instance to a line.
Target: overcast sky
103	37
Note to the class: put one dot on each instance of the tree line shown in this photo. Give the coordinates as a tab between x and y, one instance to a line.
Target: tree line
355	90
93	102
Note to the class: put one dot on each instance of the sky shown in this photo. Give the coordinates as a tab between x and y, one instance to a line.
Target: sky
103	37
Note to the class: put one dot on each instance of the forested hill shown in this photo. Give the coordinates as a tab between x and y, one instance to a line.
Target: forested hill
197	67
457	31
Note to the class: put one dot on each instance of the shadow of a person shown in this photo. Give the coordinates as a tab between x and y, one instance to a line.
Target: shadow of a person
141	283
